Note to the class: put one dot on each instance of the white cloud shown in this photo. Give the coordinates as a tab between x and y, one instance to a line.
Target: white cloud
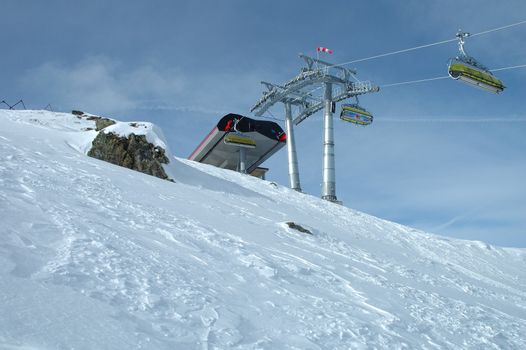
101	85
98	84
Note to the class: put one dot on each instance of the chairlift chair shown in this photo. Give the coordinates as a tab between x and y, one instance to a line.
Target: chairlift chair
237	138
355	114
468	70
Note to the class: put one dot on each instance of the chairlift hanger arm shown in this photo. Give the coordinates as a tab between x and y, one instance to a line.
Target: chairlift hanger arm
338	98
461	36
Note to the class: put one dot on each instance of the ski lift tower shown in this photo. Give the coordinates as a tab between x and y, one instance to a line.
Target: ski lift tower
339	84
289	96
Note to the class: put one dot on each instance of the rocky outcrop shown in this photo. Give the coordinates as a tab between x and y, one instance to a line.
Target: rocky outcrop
101	122
133	152
297	227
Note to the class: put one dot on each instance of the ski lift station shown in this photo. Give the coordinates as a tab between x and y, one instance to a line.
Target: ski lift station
240	143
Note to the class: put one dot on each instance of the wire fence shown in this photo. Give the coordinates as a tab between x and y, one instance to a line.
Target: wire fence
21	103
11	107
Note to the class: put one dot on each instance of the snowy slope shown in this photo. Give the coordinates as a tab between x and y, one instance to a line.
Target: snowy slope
95	256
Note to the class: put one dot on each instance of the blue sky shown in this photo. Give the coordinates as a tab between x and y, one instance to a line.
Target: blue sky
440	156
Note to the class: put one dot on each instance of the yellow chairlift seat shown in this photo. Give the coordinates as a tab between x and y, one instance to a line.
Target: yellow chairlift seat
356	115
473	75
238	139
468	70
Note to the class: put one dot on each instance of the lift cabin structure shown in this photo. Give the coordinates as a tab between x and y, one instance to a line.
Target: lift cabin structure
468	70
240	143
354	113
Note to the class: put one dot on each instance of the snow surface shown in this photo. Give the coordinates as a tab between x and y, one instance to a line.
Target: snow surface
96	256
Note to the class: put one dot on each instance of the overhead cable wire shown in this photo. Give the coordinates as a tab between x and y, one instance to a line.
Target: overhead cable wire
396	52
427	45
422	47
447	76
499	28
438	119
417	48
408	83
415	81
506	68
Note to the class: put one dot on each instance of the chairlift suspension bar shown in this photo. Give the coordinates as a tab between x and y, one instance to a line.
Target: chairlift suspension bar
355	90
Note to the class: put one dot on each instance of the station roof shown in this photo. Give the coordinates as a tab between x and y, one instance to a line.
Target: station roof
268	135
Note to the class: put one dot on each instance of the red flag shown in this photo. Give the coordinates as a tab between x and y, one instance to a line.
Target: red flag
324	49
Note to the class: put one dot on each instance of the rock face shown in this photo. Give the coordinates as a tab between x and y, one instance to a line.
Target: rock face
133	152
100	122
297	227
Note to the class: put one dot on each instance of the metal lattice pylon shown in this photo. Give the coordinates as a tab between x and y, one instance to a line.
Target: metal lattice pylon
339	84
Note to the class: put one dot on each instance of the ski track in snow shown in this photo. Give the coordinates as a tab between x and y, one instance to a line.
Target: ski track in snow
125	260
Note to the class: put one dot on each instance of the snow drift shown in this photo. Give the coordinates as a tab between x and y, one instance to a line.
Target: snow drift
96	256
